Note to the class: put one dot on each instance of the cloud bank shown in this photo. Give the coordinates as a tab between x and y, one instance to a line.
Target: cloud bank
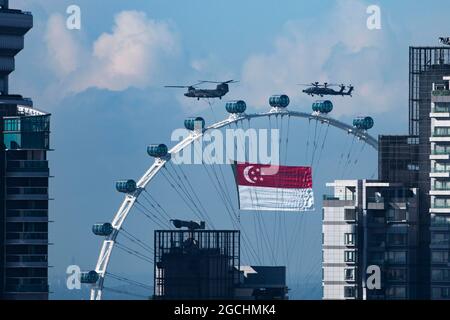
130	55
336	47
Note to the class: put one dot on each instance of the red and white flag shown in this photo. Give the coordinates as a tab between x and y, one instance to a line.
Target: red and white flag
274	188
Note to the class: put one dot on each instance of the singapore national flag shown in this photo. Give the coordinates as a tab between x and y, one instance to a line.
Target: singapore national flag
274	188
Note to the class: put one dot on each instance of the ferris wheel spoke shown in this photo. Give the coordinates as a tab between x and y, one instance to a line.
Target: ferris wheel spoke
137	241
323	145
135	253
124	292
192	191
155	206
197	212
129	281
347	159
153	218
157	203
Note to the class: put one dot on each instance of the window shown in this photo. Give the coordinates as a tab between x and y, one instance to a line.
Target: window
442	203
350	239
396	292
440	274
439	256
396	215
441	185
350	256
349	292
440	238
350	215
349	274
442	107
443	221
396	275
442	149
397	256
397	239
440	293
441	167
442	131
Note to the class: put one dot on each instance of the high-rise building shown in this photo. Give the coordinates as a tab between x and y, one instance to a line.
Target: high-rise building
369	224
427	65
24	174
440	190
196	264
407	159
398	159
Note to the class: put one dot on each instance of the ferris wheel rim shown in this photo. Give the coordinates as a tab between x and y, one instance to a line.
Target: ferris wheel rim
130	199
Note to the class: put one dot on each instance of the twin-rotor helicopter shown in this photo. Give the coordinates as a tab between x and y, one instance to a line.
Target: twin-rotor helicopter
222	88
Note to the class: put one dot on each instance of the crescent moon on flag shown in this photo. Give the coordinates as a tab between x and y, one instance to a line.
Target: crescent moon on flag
246	176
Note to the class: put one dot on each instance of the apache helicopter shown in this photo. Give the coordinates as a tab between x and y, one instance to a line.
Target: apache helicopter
193	92
324	89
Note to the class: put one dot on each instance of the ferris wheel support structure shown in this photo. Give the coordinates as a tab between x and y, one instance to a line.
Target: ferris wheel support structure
131	198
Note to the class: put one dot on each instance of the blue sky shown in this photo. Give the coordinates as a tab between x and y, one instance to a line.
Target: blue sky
104	86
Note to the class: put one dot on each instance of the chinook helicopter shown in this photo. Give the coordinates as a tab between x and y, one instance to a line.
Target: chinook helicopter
325	89
221	90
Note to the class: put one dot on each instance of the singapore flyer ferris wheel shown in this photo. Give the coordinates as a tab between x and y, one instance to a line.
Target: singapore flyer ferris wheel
266	237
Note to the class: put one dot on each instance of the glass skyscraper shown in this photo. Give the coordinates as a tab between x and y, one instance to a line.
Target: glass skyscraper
24	174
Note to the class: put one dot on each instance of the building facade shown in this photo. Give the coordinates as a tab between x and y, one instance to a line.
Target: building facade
24	174
440	190
370	224
196	264
427	65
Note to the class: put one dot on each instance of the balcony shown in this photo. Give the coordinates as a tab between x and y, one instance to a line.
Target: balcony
440	112
441	93
27	168
332	201
26	288
440	173
27	215
26	261
27	238
375	203
440	134
27	193
440	155
27	132
439	192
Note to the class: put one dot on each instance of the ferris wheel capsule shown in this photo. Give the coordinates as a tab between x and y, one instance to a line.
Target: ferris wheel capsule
194	123
236	107
157	150
102	229
363	123
279	101
90	277
322	106
126	186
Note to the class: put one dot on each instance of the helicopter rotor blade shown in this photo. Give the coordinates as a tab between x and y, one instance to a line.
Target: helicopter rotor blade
181	87
309	85
218	82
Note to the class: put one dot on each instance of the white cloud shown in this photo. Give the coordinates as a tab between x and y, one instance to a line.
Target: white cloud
63	50
130	56
336	47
